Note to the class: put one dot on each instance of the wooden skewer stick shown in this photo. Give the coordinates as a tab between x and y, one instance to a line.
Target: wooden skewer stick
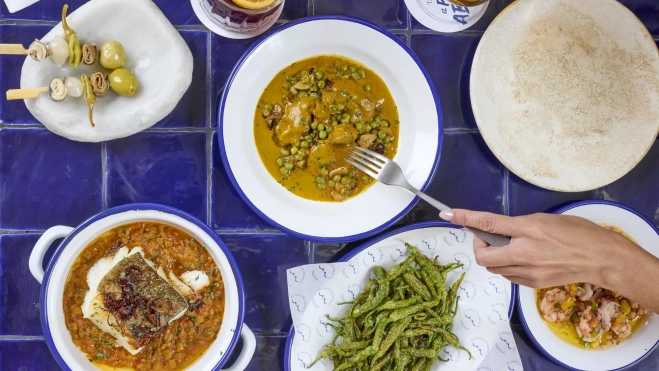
30	93
12	49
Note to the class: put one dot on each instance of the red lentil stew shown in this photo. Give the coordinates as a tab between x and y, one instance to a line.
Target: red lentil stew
178	344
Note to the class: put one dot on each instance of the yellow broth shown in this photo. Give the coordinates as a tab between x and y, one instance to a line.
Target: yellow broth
365	100
566	330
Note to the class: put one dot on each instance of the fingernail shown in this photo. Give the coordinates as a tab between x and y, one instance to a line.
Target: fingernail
447	215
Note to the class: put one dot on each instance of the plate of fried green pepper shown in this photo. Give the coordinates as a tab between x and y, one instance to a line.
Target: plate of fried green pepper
411	300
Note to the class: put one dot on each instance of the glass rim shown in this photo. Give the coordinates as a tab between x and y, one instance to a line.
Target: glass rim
231	5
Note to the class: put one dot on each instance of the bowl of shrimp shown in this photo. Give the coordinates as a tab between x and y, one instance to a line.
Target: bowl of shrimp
581	326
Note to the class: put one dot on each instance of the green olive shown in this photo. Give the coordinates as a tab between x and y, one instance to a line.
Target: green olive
123	82
112	55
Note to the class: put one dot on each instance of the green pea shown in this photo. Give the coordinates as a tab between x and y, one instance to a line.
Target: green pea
286	86
280	162
314	125
320	185
345	180
266	112
321	84
301	163
355	76
329	129
305	78
284	170
303	94
388	145
324	172
293	90
314	96
382	134
359	126
367	127
320	179
367	88
334	122
285	152
299	157
336	178
387	140
294	150
362	73
313	88
308	138
377	119
345	191
384	123
352	69
304	144
344	68
288	165
267	106
289	77
340	106
331	184
321	127
322	135
319	75
365	179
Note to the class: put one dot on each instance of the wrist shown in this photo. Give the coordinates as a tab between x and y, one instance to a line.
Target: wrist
622	258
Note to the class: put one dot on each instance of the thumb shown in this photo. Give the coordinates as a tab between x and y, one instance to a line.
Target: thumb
488	222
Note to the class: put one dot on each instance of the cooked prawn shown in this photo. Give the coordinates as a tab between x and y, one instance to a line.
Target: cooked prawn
622	328
588	327
607	311
640	311
555	306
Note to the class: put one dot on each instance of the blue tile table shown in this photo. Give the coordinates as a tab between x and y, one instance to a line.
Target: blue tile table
46	180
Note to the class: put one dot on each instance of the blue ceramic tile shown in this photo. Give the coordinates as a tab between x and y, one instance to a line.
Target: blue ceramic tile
390	14
402	37
19	307
294	9
228	210
495	7
47	180
26	355
269	354
164	168
191	109
15	112
178	12
263	260
638	189
468	176
525	198
224	54
448	61
647	11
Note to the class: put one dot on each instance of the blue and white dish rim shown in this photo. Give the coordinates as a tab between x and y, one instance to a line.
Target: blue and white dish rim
525	324
366	245
221	139
226	339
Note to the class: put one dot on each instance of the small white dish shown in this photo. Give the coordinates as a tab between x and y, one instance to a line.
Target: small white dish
444	16
216	28
631	351
155	52
566	93
419	138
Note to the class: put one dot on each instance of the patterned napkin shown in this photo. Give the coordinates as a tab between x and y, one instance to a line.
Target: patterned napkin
481	323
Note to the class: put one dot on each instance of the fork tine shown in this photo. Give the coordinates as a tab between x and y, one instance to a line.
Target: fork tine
368	160
371	153
366	170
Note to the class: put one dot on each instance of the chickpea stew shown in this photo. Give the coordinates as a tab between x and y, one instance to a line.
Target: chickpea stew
309	117
173	344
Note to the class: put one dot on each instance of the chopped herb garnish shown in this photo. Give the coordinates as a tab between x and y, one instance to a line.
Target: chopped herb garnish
208	333
196	278
216	284
212	295
100	355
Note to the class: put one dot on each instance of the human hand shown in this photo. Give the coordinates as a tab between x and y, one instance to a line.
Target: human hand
549	250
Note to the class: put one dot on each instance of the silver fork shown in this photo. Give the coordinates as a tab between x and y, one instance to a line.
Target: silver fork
388	172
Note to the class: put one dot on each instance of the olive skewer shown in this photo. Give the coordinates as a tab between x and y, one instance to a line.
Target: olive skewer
111	55
121	81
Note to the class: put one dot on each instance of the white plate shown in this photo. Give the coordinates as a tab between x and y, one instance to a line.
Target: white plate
629	352
566	93
386	247
155	52
419	137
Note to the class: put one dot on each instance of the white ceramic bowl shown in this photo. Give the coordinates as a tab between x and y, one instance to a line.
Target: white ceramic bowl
419	138
629	352
68	356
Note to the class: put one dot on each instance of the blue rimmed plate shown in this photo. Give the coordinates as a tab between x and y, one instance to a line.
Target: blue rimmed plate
631	351
420	134
413	232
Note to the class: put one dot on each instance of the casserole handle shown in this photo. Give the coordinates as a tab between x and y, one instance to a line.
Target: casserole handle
39	249
249	346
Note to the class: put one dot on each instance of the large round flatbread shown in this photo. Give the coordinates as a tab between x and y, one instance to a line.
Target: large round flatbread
566	93
155	52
